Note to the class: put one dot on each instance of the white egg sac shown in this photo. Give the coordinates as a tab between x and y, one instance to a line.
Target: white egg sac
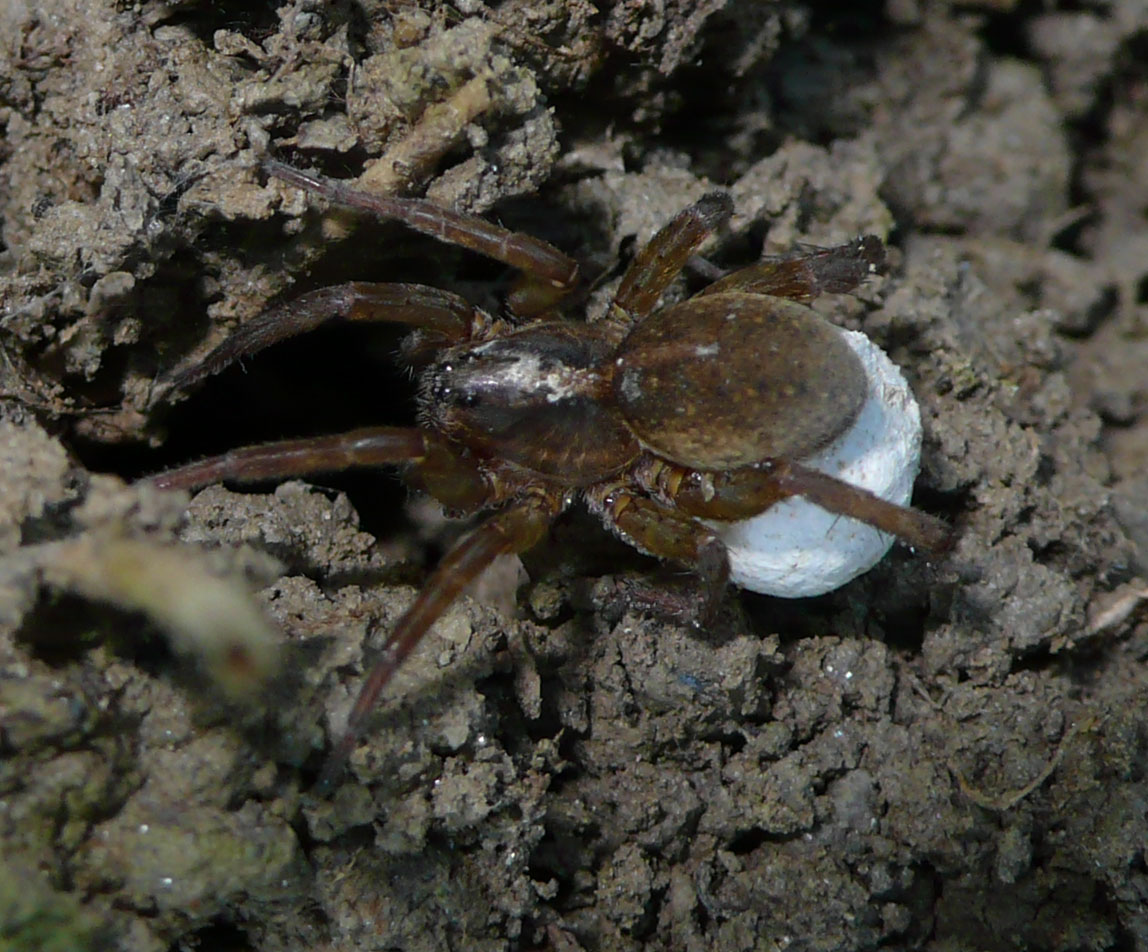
796	549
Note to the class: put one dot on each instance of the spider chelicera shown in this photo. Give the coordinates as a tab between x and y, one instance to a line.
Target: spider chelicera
656	419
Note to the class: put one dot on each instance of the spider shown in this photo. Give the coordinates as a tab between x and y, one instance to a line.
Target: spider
636	414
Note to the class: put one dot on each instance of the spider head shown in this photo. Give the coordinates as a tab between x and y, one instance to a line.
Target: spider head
533	398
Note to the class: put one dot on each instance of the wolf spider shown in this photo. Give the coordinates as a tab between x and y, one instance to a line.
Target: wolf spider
634	414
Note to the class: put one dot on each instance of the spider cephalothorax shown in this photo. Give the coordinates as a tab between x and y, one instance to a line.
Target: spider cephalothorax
670	424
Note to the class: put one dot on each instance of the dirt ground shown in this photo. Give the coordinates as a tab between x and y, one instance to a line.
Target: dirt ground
942	755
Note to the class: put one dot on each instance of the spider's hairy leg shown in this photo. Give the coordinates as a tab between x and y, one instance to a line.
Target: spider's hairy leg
456	481
744	493
658	530
912	526
803	275
548	274
444	318
514	529
660	261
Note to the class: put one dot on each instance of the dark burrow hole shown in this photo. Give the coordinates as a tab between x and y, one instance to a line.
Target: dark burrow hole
331	380
256	21
1142	290
219	937
61	628
334	379
749	840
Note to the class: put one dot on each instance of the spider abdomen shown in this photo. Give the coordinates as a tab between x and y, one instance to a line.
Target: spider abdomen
733	379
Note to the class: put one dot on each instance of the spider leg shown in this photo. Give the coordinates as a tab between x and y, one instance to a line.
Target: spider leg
805	274
911	526
446	318
660	261
743	493
435	465
547	273
516	528
658	530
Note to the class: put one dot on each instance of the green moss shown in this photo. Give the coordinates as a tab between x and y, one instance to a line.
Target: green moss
35	916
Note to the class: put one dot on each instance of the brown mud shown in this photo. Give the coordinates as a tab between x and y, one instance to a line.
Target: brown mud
940	756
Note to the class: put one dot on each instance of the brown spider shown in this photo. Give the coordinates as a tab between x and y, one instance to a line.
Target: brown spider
632	413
